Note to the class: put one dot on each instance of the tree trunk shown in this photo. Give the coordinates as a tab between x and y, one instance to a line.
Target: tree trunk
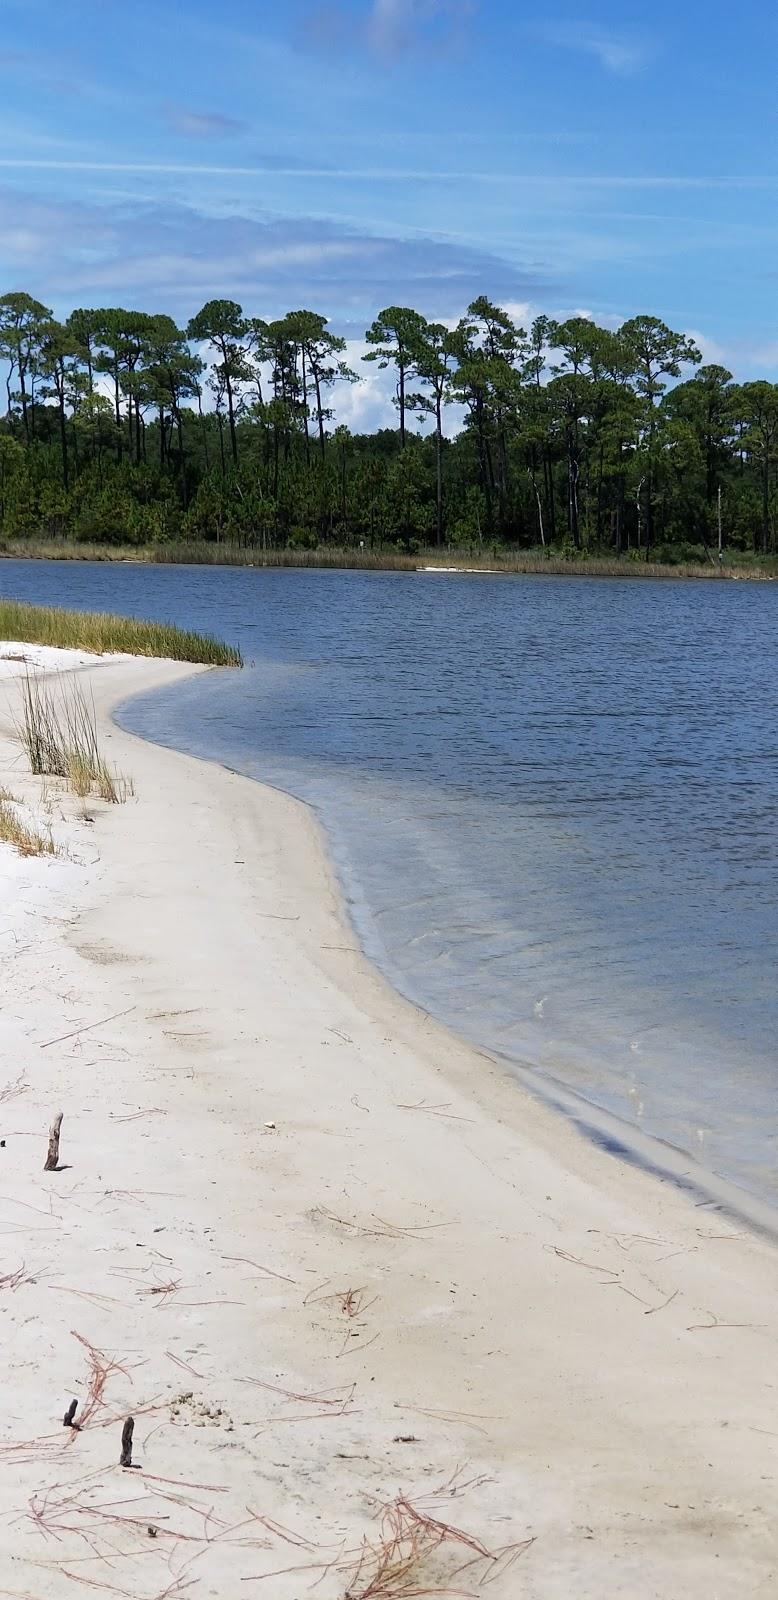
184	488
765	499
204	430
63	436
8	377
118	414
438	470
231	410
548	477
650	490
322	441
598	514
539	504
622	489
483	457
305	409
572	494
23	393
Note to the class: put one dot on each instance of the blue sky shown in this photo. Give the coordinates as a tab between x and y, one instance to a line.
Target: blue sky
346	154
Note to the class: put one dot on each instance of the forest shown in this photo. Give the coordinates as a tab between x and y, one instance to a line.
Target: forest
122	428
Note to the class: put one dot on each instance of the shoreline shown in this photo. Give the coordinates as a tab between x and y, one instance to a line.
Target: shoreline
605	1130
582	1334
424	562
602	1127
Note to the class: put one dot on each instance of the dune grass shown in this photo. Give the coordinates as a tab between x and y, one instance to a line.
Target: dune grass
58	729
27	840
100	633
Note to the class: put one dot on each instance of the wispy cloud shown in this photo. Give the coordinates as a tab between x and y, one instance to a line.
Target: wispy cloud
548	182
174	257
203	124
396	26
388	29
618	52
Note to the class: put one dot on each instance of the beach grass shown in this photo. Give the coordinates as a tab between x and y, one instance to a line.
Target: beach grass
57	727
100	633
27	840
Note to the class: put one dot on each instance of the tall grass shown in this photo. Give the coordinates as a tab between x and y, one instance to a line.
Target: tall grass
100	633
58	729
529	562
28	841
386	559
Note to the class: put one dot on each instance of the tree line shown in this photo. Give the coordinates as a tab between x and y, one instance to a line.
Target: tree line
121	426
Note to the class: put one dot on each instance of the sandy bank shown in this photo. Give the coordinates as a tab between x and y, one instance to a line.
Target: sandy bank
337	1255
18	658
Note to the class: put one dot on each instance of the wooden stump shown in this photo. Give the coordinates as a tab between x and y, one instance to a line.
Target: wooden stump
52	1157
69	1419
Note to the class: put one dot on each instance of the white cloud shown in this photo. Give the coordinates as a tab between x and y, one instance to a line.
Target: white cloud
367	405
519	311
603	319
203	124
395	26
617	52
388	29
713	354
370	404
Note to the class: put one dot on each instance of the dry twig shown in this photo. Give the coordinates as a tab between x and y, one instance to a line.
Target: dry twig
88	1027
268	1271
412	1555
383	1230
11	1090
13	1280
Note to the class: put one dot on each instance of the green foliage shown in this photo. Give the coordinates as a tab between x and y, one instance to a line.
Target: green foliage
122	430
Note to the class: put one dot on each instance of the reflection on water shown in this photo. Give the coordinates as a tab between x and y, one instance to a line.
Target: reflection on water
552	804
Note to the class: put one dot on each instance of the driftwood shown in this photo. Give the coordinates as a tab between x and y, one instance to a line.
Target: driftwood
52	1157
69	1419
125	1459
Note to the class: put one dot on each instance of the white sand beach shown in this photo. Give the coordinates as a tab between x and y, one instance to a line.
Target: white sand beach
352	1282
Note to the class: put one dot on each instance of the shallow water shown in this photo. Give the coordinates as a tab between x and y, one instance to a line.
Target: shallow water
552	804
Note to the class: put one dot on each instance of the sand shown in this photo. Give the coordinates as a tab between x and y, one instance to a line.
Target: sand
18	658
331	1256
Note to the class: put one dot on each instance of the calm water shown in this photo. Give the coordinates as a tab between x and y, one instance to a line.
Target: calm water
552	803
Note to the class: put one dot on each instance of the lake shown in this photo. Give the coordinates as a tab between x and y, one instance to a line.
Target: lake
552	804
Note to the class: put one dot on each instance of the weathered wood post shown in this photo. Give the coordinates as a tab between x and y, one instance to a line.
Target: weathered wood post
52	1158
125	1459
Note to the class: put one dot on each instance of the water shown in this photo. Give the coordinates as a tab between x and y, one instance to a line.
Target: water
552	804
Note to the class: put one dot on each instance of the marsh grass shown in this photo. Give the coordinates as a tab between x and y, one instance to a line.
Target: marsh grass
58	729
27	840
101	633
549	563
